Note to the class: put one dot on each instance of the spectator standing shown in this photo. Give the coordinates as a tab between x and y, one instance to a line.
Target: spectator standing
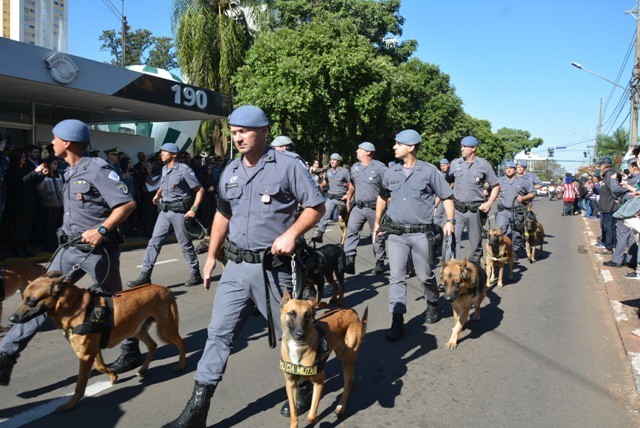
607	206
49	192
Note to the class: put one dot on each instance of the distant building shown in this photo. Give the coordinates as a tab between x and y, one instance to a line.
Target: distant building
534	162
38	22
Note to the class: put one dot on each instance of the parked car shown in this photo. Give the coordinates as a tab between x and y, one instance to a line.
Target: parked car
544	190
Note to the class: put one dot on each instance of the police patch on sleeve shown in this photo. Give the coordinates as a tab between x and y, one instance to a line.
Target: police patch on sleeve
192	173
114	176
123	188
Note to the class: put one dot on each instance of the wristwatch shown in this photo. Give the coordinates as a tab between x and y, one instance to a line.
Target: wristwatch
451	220
102	230
194	208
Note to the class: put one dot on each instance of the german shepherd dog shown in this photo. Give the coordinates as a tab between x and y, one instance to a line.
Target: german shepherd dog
307	343
499	252
533	234
15	277
343	222
464	285
203	248
133	313
325	264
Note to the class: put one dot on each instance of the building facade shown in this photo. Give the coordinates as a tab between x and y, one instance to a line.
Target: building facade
38	22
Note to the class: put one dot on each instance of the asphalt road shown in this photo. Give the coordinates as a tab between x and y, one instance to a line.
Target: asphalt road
545	354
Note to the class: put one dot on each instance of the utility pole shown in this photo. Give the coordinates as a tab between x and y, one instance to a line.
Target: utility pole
635	80
124	36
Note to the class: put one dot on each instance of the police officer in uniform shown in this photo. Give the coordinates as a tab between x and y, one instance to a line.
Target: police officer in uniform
366	177
469	173
521	170
439	216
408	194
95	203
338	178
175	202
514	193
282	143
259	196
113	157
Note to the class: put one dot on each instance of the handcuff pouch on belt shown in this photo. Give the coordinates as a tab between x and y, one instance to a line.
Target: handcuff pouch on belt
334	196
463	207
239	255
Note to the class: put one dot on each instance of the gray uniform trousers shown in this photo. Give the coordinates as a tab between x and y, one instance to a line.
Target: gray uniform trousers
504	223
240	290
168	221
357	218
400	246
97	265
624	240
330	205
474	228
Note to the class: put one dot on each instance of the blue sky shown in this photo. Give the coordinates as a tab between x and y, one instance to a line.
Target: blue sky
509	60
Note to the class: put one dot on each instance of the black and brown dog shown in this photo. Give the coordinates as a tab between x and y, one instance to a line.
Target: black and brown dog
307	343
533	234
499	252
325	264
15	277
464	285
133	313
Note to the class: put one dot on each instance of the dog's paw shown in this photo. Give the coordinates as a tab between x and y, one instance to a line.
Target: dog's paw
66	406
179	368
339	411
452	344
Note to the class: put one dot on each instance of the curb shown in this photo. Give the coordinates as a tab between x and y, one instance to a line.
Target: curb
620	290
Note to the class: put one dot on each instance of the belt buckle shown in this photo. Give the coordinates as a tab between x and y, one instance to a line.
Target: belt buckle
247	257
406	228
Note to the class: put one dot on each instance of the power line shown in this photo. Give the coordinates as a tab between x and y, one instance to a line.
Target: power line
114	10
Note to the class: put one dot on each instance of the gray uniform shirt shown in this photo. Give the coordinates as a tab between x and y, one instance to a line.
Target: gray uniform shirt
263	200
469	179
91	190
413	196
367	180
177	182
510	189
532	177
338	180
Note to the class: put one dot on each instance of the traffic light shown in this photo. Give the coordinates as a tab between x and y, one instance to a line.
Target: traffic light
551	150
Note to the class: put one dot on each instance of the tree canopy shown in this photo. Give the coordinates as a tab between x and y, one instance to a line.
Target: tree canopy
142	47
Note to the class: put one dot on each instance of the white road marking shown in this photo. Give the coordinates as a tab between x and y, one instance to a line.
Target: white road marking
162	262
48	408
606	274
634	357
618	311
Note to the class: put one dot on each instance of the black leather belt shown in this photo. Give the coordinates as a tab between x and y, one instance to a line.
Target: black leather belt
362	204
463	207
333	196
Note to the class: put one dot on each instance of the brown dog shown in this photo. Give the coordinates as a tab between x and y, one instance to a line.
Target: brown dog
304	350
533	234
15	277
133	313
499	252
464	285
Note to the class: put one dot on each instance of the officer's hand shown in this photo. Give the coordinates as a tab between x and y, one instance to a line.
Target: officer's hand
448	229
207	272
155	200
190	214
284	244
92	236
485	207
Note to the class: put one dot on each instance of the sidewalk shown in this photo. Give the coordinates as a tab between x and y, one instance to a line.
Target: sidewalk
624	298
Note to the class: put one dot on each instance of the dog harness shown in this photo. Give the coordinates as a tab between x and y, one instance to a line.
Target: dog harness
322	355
98	319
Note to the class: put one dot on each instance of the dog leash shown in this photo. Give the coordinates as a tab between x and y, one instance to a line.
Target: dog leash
267	259
97	287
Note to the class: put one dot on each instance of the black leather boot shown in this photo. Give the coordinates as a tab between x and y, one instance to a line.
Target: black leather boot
431	316
379	267
194	279
350	265
130	357
397	328
144	278
305	391
7	362
317	237
195	413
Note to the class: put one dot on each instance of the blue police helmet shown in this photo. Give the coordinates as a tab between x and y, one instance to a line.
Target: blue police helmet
367	146
444	161
72	130
509	164
170	148
335	156
605	160
469	141
522	163
281	140
409	137
249	116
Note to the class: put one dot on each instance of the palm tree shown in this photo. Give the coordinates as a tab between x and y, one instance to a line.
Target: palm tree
212	37
615	146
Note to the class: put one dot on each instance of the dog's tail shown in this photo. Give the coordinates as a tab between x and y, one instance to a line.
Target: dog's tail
364	320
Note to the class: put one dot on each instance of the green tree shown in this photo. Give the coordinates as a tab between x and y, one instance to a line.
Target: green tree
141	48
615	146
550	170
516	140
162	55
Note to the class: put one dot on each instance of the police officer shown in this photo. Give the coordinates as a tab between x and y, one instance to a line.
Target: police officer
366	177
113	157
521	170
408	194
469	174
439	216
259	196
176	204
514	193
282	143
95	203
338	178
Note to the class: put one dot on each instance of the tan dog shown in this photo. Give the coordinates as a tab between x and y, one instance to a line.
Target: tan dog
499	251
464	285
303	348
15	277
533	234
133	313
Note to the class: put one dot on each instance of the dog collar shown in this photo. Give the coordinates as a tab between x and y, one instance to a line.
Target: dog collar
322	355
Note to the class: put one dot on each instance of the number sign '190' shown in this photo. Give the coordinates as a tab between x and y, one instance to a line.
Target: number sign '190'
188	96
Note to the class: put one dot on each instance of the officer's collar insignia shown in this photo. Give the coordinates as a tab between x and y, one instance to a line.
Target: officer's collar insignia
80	182
233	179
123	188
114	176
268	157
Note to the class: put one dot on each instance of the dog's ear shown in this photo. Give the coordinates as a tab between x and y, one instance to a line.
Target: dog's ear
285	298
465	275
